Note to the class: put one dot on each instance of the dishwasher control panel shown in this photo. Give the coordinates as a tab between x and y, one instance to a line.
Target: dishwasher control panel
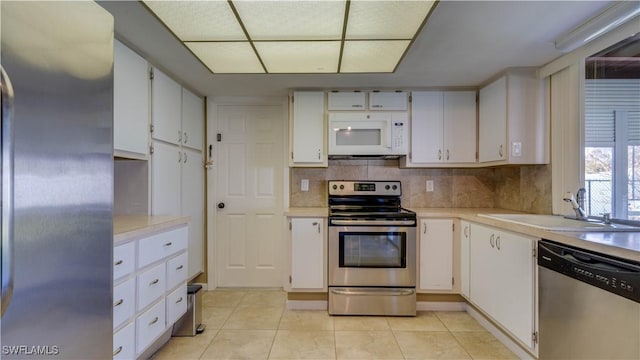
618	276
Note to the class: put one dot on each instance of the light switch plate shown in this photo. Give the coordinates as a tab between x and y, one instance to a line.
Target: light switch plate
429	185
516	149
304	185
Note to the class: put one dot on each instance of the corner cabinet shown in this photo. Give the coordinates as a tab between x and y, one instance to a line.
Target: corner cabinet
512	124
443	128
502	279
130	103
436	255
307	128
308	254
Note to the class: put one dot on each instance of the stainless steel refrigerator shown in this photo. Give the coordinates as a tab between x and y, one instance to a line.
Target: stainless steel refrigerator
57	180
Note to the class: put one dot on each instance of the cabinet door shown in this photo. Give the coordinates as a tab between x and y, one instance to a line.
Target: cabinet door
483	288
436	254
459	120
166	108
465	235
130	101
192	120
493	121
307	253
426	127
346	101
396	101
193	206
515	309
308	145
165	179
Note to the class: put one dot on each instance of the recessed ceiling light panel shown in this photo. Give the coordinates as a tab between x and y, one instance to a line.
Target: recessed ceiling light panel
299	56
384	20
198	20
372	56
227	57
292	20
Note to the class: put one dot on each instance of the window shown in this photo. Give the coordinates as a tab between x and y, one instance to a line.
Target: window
612	131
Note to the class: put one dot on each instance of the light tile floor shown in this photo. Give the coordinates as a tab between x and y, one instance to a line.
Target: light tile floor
254	324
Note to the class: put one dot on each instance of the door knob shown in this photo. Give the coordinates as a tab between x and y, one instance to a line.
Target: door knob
220	205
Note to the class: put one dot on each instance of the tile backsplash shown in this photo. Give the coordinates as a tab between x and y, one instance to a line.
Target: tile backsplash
524	188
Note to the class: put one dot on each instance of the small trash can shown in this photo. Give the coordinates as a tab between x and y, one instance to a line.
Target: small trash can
190	324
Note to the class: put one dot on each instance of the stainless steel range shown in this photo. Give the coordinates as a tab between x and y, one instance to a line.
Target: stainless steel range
372	250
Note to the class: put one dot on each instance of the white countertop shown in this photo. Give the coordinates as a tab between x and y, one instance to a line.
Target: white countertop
127	227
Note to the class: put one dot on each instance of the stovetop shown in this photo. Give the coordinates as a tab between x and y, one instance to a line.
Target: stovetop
367	200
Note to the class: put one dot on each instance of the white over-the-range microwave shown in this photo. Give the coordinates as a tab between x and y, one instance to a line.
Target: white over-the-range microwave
368	133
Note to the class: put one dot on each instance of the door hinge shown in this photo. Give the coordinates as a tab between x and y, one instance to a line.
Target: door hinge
292	155
534	337
477	158
151	149
289	225
410	98
151	74
151	128
534	253
289	279
453	227
453	281
219	137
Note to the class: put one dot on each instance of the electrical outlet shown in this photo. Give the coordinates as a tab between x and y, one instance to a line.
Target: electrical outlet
304	185
429	185
516	149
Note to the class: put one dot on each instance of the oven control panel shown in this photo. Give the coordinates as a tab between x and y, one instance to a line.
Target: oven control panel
374	188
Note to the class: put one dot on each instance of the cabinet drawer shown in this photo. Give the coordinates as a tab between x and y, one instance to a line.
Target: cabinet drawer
176	304
123	302
161	245
150	325
177	270
151	285
124	343
124	260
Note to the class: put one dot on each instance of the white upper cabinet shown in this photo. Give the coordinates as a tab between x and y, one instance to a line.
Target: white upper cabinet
166	108
354	100
443	128
512	125
307	129
395	101
130	103
192	120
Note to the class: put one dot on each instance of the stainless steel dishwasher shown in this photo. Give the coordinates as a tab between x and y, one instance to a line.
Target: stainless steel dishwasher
589	304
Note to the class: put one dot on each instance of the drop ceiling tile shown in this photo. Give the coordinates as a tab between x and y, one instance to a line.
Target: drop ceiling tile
386	19
227	57
372	56
299	56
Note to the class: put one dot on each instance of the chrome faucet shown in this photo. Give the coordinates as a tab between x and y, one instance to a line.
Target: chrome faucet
577	205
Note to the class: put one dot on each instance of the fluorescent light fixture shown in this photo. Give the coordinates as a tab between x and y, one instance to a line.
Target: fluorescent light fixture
295	36
599	25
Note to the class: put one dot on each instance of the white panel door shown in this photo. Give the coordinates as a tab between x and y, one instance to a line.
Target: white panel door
166	108
249	184
436	254
165	179
426	126
307	253
193	206
460	126
192	120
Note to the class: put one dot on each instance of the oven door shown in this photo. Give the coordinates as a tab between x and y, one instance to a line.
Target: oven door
372	256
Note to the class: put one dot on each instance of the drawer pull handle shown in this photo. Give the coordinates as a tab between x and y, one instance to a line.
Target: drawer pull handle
117	351
179	300
180	267
154	282
168	244
118	303
155	320
119	262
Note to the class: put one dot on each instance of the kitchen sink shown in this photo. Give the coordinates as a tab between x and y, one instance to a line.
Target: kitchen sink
559	223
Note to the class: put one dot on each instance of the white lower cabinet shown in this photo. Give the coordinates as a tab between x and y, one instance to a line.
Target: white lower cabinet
150	297
436	254
308	254
465	236
124	343
502	279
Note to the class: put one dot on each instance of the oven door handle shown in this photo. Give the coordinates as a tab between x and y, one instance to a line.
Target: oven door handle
394	292
374	222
